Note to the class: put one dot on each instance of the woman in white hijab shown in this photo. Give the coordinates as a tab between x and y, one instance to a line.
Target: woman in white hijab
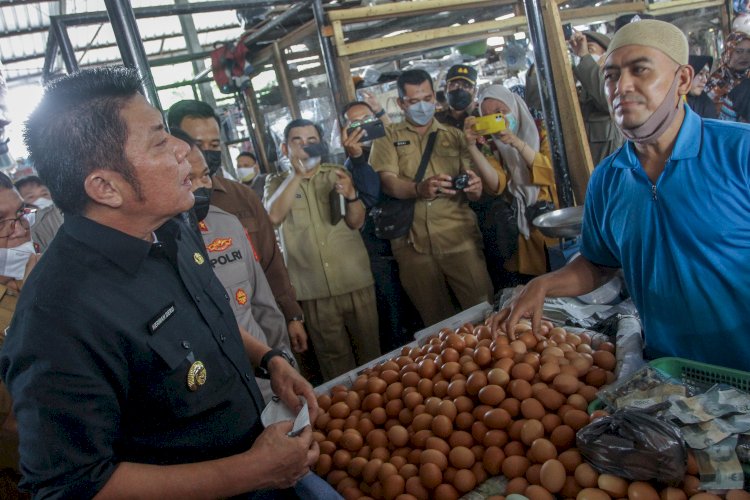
515	163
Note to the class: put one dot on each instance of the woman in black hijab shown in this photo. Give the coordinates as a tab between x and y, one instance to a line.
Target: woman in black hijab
697	99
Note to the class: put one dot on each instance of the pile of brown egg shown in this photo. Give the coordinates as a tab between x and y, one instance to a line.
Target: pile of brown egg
439	419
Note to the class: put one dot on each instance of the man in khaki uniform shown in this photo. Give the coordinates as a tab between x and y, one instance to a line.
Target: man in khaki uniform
443	248
236	263
327	262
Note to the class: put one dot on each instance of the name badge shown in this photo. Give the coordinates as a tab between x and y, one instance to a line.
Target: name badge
401	143
161	317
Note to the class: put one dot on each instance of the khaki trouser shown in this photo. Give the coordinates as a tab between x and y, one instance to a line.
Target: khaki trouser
426	279
343	330
8	432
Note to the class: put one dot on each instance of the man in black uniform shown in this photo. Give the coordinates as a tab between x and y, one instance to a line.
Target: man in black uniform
460	90
127	368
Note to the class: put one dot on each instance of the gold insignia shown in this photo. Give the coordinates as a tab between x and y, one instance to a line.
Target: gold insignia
198	258
196	376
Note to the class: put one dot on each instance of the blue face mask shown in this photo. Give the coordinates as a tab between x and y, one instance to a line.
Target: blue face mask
511	122
421	113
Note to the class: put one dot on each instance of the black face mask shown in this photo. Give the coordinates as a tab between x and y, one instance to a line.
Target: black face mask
4	146
213	160
459	99
202	201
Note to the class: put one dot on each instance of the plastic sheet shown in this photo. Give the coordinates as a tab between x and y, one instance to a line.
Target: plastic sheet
635	445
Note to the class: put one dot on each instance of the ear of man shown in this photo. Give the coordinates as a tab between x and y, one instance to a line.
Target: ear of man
685	75
106	187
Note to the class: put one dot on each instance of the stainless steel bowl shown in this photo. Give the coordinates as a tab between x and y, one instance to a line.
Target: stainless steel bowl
562	223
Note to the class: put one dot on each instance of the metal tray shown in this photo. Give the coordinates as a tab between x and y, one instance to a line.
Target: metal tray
562	223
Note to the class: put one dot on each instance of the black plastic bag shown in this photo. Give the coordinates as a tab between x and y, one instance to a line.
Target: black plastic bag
635	445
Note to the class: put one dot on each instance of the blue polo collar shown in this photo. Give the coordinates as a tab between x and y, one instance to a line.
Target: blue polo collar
685	147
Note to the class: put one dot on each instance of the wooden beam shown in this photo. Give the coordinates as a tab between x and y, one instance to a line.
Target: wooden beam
400	9
664	8
603	11
348	84
484	27
577	151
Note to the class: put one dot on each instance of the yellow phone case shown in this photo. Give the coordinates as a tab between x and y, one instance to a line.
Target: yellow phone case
490	124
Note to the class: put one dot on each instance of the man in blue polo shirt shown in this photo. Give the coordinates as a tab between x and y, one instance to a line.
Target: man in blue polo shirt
671	208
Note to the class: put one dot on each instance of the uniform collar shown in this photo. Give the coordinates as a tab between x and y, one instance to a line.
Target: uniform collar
218	183
686	146
121	249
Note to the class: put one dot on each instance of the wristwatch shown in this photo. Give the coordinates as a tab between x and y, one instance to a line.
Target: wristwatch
380	113
352	200
262	370
300	318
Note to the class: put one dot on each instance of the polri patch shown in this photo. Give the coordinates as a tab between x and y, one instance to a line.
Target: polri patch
401	143
161	317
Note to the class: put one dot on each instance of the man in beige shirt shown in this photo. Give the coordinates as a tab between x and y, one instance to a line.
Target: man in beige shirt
443	251
327	261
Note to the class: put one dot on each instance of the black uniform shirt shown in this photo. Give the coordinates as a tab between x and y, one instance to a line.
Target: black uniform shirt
98	355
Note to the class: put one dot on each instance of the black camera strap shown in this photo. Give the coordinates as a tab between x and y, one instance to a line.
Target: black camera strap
425	157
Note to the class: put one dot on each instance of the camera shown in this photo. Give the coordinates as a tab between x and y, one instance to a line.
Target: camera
460	182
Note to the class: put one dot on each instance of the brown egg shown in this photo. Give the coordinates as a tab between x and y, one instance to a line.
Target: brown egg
482	356
514	429
336	476
551	399
491	395
324	464
586	476
378	416
532	408
523	371
670	493
475	382
549	371
440	388
465	480
446	492
552	475
439	444
596	377
493	460
737	495
394	391
415	488
461	457
641	490
532	429
478	430
434	457
589	392
605	360
393	407
592	494
464	420
351	440
381	453
520	389
571	459
536	492
356	466
377	438
495	437
370	471
376	385
542	450
448	409
515	466
449	369
339	410
565	383
393	486
613	485
533	474
398	436
516	485
372	401
692	464
691	485
576	419
497	419
551	421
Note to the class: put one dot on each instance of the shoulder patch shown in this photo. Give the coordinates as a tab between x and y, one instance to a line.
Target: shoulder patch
202	226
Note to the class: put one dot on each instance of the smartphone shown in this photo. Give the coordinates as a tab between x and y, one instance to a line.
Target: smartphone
315	149
567	31
373	128
490	124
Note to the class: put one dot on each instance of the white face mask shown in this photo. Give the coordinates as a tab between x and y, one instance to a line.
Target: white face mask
246	174
596	57
42	202
13	260
310	163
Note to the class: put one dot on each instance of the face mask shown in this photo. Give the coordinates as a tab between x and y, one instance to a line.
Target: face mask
42	202
596	57
202	201
366	144
310	163
658	122
246	174
459	99
213	160
420	113
511	122
4	146
13	260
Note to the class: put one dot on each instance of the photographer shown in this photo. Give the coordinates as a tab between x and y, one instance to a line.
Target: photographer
443	247
515	163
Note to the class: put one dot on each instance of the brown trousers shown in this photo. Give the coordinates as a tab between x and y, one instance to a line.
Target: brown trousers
343	330
426	279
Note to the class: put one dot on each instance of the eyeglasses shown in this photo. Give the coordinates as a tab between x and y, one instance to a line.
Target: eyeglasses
741	52
24	215
460	83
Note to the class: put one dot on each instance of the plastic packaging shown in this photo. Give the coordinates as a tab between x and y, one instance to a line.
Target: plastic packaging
635	445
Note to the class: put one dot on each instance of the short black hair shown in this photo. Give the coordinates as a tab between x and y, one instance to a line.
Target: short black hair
29	179
183	136
77	128
350	106
412	77
301	122
189	108
5	182
248	154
